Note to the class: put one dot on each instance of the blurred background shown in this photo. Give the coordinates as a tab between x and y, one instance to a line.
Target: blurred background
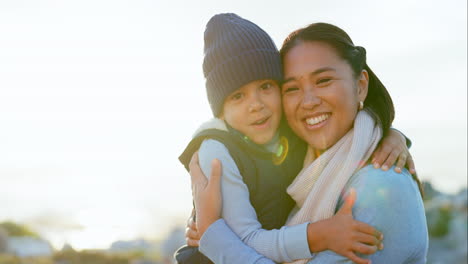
98	98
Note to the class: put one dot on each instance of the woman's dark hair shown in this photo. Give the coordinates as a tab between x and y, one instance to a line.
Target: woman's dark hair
378	101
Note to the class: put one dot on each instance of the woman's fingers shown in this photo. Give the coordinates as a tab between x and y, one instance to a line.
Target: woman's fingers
206	194
214	183
191	233
195	171
192	242
197	176
194	160
192	224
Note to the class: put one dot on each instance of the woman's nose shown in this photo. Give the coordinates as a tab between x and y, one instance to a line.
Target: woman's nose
310	100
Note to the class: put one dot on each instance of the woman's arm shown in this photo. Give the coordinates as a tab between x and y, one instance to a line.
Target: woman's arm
281	245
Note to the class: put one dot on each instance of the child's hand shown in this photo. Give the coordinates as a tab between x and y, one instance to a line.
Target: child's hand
206	194
391	148
346	236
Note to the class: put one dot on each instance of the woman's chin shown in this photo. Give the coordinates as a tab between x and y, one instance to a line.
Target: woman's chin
320	145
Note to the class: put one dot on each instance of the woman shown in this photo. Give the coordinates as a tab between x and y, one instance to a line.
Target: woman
334	102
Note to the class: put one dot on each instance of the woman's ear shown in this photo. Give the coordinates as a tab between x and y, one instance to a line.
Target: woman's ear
363	85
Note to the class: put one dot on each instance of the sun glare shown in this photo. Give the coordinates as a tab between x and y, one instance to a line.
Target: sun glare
99	232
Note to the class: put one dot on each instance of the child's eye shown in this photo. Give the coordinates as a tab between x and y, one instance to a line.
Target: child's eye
266	86
236	96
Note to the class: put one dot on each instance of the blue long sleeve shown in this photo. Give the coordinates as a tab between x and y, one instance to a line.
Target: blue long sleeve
387	200
228	248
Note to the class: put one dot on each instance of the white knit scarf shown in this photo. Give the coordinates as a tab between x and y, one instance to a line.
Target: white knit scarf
318	186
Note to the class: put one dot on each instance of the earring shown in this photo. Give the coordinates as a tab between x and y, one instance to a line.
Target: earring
361	105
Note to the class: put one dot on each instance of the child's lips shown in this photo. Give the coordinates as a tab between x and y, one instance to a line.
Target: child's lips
260	123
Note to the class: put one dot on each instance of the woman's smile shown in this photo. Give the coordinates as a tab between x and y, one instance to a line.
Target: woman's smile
317	121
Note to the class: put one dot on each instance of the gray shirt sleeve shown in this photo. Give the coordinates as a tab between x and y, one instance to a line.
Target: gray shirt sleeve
281	245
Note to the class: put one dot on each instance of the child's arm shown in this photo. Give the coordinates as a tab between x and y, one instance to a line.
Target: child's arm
394	148
228	247
345	236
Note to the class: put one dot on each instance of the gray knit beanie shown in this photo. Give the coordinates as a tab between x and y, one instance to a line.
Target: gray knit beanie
237	52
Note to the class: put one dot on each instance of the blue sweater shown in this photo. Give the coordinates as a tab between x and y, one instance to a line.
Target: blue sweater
386	200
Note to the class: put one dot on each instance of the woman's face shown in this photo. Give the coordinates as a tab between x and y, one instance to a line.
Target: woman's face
320	94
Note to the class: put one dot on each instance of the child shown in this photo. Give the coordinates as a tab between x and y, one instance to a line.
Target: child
259	153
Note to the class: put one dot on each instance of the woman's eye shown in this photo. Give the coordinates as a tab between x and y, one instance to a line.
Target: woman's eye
324	80
290	89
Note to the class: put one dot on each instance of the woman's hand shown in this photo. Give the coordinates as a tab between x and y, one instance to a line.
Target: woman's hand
392	148
344	235
191	233
206	194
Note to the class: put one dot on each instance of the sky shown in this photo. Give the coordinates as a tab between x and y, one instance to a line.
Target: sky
98	98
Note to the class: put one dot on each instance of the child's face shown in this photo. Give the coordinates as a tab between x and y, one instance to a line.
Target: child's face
254	110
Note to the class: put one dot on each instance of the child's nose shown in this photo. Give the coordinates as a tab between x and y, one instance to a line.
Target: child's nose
256	106
256	103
